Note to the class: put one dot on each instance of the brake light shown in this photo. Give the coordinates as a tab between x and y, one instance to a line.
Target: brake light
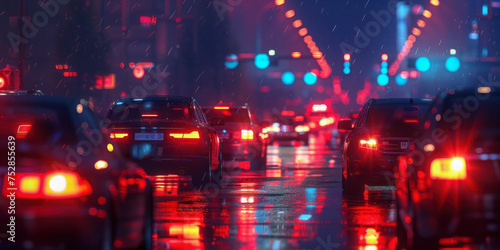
368	144
118	135
302	128
221	107
326	121
192	135
411	121
298	118
149	115
52	185
449	169
319	107
246	134
287	113
22	131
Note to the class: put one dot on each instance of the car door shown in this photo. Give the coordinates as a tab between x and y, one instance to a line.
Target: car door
213	137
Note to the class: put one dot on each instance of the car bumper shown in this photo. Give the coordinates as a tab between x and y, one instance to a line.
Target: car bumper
375	169
236	150
174	165
289	136
452	210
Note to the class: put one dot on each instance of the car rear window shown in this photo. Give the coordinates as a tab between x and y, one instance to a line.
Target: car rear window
37	125
397	120
143	110
460	113
233	115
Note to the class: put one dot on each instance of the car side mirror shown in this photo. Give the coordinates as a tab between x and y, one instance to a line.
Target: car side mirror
345	124
217	122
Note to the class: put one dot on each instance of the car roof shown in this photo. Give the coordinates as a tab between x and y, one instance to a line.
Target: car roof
401	101
157	98
38	99
21	92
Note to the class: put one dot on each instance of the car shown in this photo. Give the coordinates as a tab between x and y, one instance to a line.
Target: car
242	137
289	127
382	132
320	117
22	92
64	182
449	182
167	135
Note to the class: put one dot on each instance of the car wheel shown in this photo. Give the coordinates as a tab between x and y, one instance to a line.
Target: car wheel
353	185
147	243
417	240
217	174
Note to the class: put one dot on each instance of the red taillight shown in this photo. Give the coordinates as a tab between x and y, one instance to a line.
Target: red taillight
319	107
368	144
302	128
298	118
287	113
52	185
192	135
22	131
246	134
449	169
118	135
411	121
221	107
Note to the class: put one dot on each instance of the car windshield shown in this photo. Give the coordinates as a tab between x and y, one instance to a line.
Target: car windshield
147	110
397	120
233	115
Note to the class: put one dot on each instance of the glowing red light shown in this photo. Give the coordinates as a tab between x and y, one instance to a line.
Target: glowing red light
347	57
384	57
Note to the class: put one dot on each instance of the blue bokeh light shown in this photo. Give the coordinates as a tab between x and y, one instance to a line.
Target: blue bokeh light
262	61
382	80
231	61
288	78
423	64
310	78
452	64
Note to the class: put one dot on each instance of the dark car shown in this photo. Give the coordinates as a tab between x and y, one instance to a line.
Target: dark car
289	127
167	135
64	183
449	184
241	135
21	92
382	132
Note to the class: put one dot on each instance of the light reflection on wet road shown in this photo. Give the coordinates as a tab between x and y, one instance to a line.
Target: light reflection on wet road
294	203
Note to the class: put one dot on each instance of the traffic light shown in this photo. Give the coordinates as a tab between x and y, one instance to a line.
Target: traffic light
347	63
231	61
423	64
262	61
384	64
9	79
288	78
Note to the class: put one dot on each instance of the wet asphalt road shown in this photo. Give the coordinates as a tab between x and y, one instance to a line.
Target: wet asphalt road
296	202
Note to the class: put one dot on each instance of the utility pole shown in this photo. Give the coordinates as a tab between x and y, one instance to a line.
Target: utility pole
20	45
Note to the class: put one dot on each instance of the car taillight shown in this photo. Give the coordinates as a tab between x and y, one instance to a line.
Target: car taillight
302	128
51	185
22	131
449	169
118	135
221	107
191	135
246	134
326	121
368	144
